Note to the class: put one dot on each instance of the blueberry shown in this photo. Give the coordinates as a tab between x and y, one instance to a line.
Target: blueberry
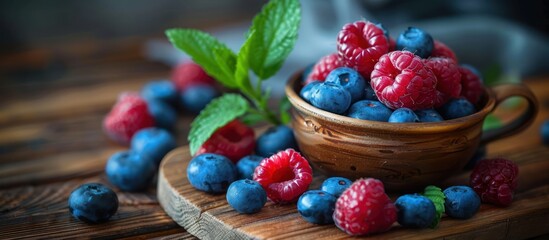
457	108
93	203
461	202
161	90
196	97
246	196
369	110
417	41
335	185
130	171
479	155
545	132
211	173
369	93
274	140
415	210
246	166
429	115
307	91
165	116
403	115
317	206
331	97
153	143
350	80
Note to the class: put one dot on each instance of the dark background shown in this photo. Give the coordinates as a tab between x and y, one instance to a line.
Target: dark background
506	37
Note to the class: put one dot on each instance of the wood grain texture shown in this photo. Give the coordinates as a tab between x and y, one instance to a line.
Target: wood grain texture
210	217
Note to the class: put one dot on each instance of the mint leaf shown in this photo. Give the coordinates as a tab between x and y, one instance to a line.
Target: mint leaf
436	195
284	108
215	57
216	114
241	74
252	118
275	33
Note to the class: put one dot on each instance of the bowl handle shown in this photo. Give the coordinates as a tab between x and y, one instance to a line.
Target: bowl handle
503	92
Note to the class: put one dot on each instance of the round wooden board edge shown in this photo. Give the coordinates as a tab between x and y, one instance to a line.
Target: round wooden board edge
186	214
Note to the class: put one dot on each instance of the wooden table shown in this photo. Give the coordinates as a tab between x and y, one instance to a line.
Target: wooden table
51	139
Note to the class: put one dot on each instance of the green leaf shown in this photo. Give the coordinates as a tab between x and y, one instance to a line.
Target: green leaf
216	114
215	57
436	195
491	122
274	36
252	118
284	108
241	74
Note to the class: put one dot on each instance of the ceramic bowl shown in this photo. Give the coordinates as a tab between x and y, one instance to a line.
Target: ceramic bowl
405	156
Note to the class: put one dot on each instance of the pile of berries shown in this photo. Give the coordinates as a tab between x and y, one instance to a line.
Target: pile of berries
250	170
373	77
145	121
272	169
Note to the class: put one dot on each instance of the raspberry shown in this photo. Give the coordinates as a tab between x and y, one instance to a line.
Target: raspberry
129	115
364	208
323	67
441	50
400	79
448	79
284	176
188	74
360	44
471	84
234	141
494	180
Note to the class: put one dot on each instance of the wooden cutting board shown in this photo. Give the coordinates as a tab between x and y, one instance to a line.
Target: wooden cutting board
210	217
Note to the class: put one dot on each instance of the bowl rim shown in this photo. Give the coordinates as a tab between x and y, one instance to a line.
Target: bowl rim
294	83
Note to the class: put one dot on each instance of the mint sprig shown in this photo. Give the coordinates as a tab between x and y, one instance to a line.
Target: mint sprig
268	43
275	33
217	113
215	57
436	195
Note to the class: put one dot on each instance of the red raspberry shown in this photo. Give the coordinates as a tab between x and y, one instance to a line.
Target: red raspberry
234	141
128	115
448	79
400	79
471	85
494	180
360	44
188	74
441	50
284	176
323	67
364	208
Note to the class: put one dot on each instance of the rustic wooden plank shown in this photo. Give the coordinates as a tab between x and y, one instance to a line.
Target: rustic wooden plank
176	233
56	168
41	212
45	199
38	140
209	216
128	221
66	102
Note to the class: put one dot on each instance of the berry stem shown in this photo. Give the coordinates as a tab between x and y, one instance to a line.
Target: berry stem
259	100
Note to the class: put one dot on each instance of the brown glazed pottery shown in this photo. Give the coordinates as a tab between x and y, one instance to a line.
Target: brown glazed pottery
405	156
